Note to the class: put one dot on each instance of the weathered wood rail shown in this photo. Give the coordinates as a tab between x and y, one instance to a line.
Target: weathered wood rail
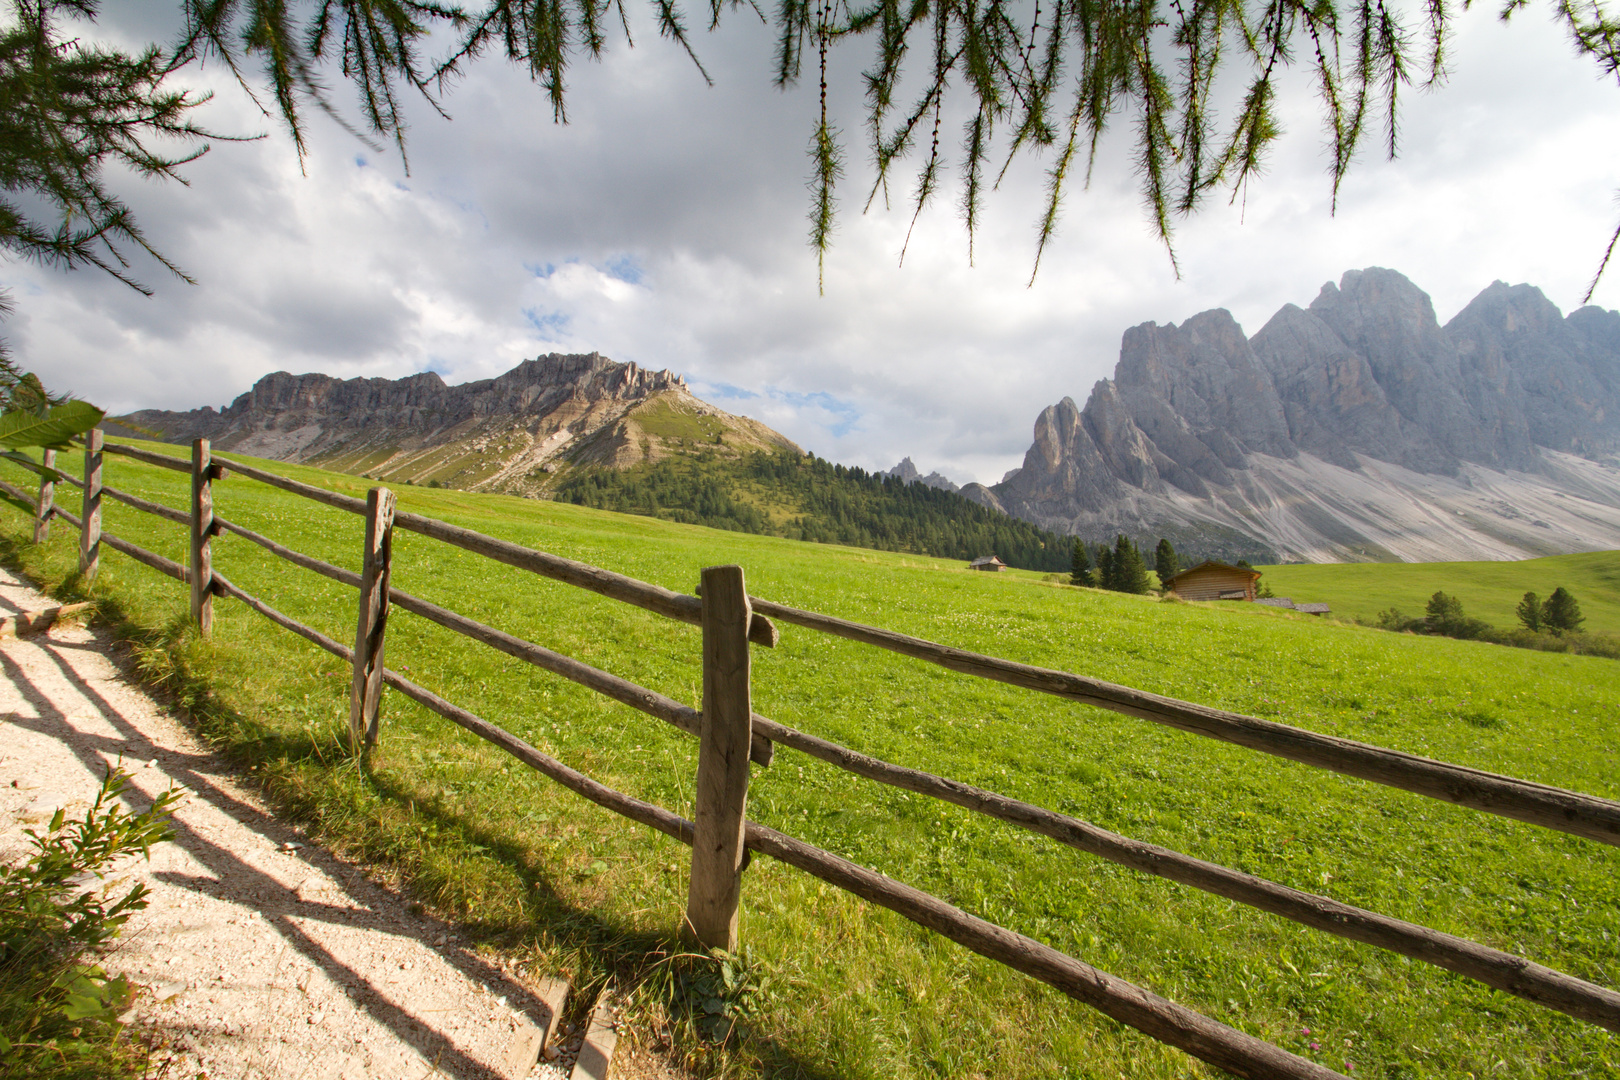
731	736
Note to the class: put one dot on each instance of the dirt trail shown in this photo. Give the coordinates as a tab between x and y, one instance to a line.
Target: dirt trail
264	956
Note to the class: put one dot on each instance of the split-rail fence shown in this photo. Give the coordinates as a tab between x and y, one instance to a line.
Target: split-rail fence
731	735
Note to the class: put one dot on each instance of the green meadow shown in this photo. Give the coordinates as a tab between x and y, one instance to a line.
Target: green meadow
1488	590
835	987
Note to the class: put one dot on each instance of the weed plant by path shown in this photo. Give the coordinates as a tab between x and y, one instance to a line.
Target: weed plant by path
835	987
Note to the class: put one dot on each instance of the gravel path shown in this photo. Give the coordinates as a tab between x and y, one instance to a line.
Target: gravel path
262	956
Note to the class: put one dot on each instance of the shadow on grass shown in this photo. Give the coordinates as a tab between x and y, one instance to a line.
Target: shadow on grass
310	777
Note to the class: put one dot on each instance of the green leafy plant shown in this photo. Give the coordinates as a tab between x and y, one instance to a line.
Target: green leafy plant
723	991
58	1008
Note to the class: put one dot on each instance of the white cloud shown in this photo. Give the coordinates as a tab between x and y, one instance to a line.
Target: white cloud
666	225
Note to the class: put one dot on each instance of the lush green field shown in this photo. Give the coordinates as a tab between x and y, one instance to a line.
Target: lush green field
1488	590
854	991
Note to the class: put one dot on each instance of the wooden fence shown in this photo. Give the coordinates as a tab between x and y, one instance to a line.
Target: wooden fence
731	735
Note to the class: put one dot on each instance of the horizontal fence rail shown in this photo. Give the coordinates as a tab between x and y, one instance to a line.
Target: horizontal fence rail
1494	968
162	461
621	690
179	517
1537	804
1567	811
17	493
673	605
1176	1025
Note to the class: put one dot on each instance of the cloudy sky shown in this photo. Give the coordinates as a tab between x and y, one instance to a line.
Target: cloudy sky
666	224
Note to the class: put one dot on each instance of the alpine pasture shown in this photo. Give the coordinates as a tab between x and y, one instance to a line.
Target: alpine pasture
833	986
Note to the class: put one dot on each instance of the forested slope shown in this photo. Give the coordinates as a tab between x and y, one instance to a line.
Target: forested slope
803	497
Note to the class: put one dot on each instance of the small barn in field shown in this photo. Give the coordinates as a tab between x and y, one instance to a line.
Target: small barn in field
987	562
1211	580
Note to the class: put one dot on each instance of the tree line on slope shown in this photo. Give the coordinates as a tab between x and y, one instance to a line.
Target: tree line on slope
1553	624
1123	568
823	503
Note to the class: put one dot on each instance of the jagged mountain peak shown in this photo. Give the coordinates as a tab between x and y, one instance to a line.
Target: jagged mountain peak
1253	441
908	473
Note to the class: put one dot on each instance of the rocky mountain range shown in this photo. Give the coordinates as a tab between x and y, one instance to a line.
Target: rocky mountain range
1358	428
512	433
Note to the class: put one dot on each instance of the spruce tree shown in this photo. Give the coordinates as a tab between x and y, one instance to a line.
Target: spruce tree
1130	572
1529	612
1105	567
1166	563
1444	612
1080	565
1561	614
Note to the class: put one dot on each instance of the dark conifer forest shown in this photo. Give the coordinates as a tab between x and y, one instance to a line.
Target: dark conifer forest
807	498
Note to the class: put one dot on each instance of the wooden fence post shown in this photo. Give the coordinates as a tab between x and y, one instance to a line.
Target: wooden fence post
365	696
90	533
47	495
722	778
202	529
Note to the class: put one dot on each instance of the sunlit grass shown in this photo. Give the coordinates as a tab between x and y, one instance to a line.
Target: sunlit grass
853	990
1488	590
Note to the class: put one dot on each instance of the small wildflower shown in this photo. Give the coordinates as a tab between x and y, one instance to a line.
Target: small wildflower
1316	1046
1304	1031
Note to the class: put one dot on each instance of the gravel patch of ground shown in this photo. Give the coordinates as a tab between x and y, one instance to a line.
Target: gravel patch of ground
261	955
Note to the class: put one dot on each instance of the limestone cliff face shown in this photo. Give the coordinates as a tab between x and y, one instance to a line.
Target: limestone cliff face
1356	428
509	433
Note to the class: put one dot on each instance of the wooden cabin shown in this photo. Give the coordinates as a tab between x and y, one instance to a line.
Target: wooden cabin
1211	580
987	562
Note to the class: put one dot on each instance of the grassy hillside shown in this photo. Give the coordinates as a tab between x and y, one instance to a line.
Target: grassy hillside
848	990
1488	590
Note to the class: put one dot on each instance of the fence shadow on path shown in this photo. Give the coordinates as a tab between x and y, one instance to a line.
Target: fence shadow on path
202	773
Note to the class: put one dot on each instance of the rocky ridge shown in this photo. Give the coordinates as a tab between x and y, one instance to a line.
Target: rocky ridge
512	433
907	472
1356	429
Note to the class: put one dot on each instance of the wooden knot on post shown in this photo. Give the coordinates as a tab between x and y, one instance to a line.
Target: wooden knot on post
365	696
202	530
720	808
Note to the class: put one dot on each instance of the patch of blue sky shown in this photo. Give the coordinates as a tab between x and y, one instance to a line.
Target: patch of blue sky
833	414
551	323
625	268
726	391
847	415
360	162
541	271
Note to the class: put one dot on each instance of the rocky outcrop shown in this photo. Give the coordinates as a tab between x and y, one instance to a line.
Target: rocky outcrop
510	433
1269	446
908	473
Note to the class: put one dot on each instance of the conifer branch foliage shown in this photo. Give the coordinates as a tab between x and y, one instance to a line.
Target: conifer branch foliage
1195	81
67	110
